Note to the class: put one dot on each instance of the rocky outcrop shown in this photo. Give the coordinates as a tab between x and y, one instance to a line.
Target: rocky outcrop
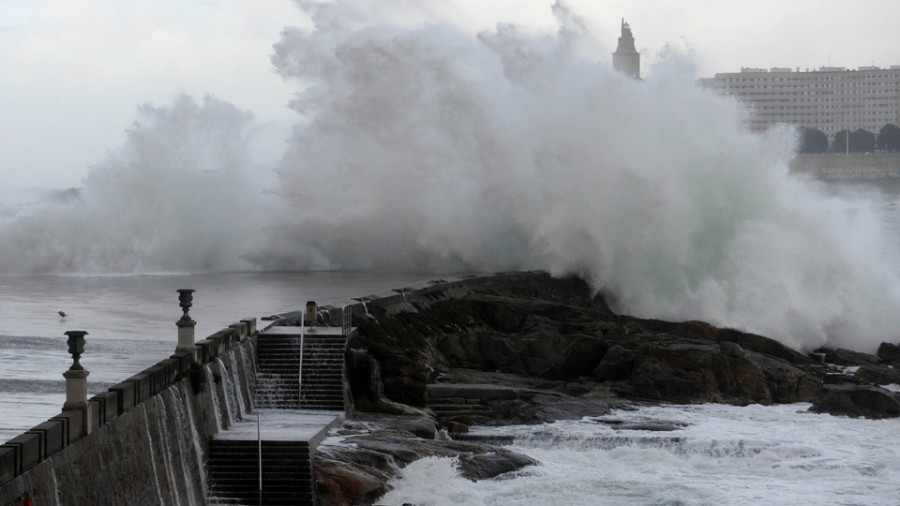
356	467
539	327
889	353
528	348
877	375
857	401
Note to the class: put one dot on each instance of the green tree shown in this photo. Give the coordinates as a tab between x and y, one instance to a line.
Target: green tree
840	142
889	138
811	140
861	141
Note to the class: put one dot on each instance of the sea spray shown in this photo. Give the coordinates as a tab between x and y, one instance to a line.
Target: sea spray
248	359
179	195
433	481
189	460
223	388
235	383
158	407
55	487
212	391
150	442
425	148
193	435
180	446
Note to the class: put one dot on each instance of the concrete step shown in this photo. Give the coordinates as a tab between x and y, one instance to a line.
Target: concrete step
278	359
233	468
324	407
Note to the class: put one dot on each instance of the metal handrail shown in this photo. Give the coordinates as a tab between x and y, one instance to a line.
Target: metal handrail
259	453
300	373
345	320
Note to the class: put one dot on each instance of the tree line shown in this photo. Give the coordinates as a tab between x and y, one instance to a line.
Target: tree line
813	140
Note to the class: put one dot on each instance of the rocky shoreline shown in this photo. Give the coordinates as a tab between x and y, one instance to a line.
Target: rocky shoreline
525	348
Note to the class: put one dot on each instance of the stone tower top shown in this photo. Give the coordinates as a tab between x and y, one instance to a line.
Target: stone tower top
626	59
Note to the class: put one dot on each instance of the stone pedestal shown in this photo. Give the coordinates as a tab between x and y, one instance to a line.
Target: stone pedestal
312	313
185	323
76	395
76	389
185	335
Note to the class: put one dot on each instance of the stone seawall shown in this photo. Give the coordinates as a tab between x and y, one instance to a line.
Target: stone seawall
143	441
844	166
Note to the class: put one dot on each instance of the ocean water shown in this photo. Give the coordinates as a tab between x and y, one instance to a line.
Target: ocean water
720	455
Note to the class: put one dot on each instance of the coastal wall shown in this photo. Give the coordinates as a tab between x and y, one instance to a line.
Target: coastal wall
848	166
143	441
147	437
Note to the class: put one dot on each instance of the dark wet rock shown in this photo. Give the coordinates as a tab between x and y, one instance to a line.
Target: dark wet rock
762	345
457	428
878	374
617	364
682	371
357	470
857	401
482	466
840	379
551	409
701	331
889	353
844	357
340	483
532	325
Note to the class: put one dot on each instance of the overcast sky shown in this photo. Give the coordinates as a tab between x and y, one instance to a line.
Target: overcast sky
72	72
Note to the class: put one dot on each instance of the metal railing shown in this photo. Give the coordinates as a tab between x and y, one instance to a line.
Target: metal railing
346	317
300	372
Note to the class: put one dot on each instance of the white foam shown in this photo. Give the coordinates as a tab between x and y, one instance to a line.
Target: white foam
779	455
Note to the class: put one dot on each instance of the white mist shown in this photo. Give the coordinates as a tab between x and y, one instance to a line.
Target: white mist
425	149
428	149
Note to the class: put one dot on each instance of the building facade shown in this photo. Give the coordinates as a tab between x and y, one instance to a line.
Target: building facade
830	99
626	59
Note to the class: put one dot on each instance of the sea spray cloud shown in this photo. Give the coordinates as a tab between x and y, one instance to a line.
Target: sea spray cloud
180	195
424	148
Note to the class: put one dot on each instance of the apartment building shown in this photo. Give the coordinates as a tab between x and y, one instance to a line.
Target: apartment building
830	99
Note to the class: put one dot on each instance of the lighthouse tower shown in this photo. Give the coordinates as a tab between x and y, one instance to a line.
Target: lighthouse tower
626	59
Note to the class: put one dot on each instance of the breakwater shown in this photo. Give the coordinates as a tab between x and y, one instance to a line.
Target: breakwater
143	441
147	439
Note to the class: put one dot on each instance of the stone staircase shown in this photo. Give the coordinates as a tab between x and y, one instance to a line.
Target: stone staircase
233	467
287	474
277	370
323	372
278	362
